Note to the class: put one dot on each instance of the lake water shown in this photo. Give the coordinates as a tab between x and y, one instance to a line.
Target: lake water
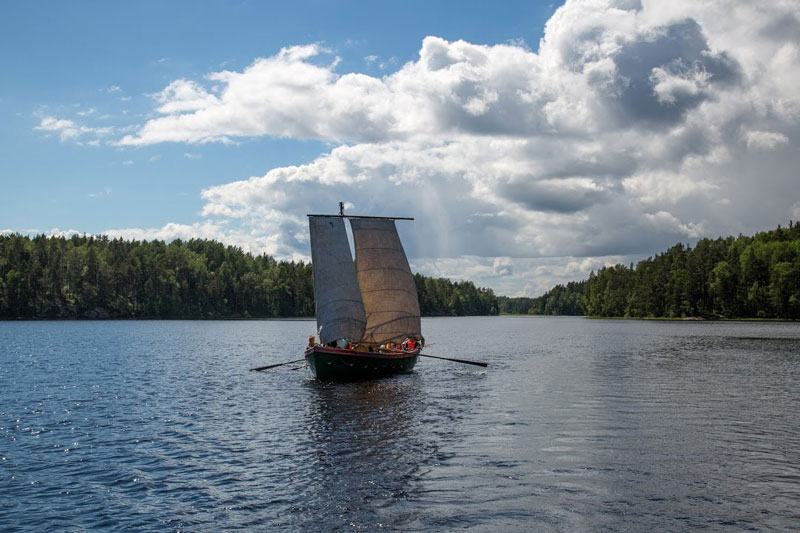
576	425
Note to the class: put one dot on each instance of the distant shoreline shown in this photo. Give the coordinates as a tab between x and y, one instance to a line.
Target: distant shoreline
310	318
133	319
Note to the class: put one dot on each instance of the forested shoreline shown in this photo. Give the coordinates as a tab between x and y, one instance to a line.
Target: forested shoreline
96	277
734	277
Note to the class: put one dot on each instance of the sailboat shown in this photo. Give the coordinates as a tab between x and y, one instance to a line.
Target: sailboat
368	315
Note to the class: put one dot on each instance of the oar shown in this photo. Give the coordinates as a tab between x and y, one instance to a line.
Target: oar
476	363
279	364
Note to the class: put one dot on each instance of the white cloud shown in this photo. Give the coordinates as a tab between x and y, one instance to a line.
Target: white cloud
69	130
666	221
634	126
55	232
663	187
184	95
249	242
765	140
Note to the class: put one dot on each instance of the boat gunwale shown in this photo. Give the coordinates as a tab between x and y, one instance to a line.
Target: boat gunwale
392	356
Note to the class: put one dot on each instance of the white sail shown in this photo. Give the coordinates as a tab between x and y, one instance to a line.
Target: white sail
387	285
340	309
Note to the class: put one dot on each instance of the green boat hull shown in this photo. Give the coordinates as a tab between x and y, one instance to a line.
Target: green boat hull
351	365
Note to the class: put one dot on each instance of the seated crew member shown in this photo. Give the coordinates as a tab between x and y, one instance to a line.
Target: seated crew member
410	343
311	341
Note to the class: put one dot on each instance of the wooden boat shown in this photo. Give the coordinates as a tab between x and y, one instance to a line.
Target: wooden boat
370	303
341	364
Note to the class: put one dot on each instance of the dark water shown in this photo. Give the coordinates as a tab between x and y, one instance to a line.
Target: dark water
577	425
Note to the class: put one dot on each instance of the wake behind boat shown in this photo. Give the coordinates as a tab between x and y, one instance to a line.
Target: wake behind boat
368	315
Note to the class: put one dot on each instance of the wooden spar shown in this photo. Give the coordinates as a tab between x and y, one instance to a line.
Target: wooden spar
342	215
360	216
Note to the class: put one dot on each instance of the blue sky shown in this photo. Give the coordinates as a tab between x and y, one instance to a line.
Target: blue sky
533	142
66	58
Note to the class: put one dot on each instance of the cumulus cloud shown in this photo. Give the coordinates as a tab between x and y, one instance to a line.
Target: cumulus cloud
634	126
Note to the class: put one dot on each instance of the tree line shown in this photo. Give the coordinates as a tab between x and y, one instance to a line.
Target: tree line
732	277
98	277
560	300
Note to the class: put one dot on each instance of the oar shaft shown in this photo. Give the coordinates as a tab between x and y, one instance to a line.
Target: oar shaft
476	363
276	365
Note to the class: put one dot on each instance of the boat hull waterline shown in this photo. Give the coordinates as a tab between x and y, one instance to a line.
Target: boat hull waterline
341	364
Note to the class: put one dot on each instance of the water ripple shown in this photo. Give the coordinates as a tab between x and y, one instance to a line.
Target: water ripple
576	425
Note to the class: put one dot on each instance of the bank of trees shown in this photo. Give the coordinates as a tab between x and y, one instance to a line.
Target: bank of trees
443	297
733	277
560	300
98	277
742	277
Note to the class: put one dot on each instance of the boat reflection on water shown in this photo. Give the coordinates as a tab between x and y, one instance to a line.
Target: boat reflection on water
365	451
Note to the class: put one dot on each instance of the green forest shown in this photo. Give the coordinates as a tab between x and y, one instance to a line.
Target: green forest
733	277
560	300
98	277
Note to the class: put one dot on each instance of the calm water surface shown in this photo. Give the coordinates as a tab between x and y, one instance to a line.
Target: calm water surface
576	425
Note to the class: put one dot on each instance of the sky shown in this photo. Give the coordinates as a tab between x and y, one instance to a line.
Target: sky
533	142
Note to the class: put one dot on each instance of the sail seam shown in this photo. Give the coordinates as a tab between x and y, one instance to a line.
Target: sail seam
380	290
383	268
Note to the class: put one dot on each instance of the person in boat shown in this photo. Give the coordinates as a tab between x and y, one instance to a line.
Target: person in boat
344	344
410	344
312	340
